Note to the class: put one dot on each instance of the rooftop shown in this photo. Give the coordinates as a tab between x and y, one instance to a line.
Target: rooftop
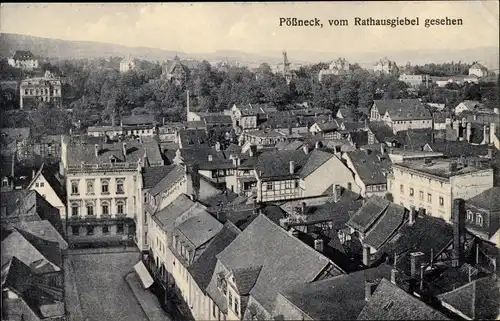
441	168
488	200
371	166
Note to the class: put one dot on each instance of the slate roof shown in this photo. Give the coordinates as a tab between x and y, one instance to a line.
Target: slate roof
44	230
415	138
259	245
199	229
370	166
277	163
438	167
203	268
171	64
192	137
245	278
133	120
458	148
478	300
172	214
364	218
200	156
425	235
338	298
23	55
328	126
153	175
385	226
218	119
389	302
402	109
171	174
489	199
78	153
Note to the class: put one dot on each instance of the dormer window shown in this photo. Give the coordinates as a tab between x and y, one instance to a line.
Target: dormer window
479	219
222	283
470	216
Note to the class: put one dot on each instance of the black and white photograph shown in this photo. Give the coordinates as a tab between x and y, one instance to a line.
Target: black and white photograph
226	161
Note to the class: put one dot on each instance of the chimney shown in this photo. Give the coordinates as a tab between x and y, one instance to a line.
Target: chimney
192	197
458	218
416	260
370	287
292	167
490	152
433	138
303	208
33	173
163	121
366	255
96	149
486	134
394	275
305	148
221	217
124	145
318	245
469	132
382	149
413	215
338	192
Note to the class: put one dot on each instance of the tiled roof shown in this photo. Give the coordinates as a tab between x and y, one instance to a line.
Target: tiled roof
338	298
403	109
173	213
458	148
315	160
328	126
371	166
218	119
199	229
477	300
78	153
438	167
203	268
383	133
23	55
386	226
364	218
44	230
259	245
389	302
427	234
191	138
171	175
137	120
489	199
245	278
153	175
50	177
415	138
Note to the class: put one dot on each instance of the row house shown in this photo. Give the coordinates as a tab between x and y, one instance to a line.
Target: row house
370	169
42	89
401	114
432	184
293	174
104	185
23	59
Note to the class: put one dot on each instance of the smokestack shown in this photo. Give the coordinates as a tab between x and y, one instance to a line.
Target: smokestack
96	150
292	167
416	260
458	217
370	287
318	245
413	215
366	255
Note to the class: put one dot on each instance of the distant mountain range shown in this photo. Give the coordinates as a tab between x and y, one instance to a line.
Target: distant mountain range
48	47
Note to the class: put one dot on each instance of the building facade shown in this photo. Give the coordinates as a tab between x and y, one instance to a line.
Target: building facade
44	89
24	60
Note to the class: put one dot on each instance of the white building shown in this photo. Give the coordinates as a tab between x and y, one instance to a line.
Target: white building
40	89
338	67
47	185
478	70
401	114
386	67
127	64
433	184
24	60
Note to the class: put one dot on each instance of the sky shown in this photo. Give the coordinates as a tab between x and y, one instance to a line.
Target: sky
254	27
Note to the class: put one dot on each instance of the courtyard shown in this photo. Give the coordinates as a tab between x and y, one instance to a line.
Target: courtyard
101	287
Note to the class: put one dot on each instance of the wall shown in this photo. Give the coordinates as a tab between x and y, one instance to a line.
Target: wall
330	173
283	189
49	194
401	125
470	185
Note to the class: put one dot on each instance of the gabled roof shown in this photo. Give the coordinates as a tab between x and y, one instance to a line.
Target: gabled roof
50	177
370	166
203	268
177	212
386	226
245	278
364	218
403	109
478	300
43	230
191	138
132	120
478	66
389	302
199	229
23	55
165	180
488	200
458	148
338	298
259	245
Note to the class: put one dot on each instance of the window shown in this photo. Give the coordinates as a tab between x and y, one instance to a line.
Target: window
105	208
401	188
90	187
145	218
119	187
214	310
441	201
120	207
119	228
230	299
75	230
74	209
479	219
412	191
429	197
90	209
146	240
421	195
36	184
270	186
90	230
470	216
105	187
42	184
74	188
296	184
236	306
